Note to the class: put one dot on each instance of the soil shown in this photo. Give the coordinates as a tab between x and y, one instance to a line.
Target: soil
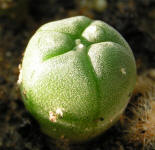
19	19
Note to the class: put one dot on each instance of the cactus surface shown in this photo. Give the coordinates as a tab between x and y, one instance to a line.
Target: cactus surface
76	78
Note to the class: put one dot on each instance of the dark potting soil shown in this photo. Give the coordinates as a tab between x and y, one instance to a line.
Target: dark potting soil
19	19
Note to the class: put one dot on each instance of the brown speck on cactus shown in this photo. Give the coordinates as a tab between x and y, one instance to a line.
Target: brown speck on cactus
52	117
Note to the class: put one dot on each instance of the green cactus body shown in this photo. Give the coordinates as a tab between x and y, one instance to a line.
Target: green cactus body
77	77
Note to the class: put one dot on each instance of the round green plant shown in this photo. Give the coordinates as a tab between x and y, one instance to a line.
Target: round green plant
76	78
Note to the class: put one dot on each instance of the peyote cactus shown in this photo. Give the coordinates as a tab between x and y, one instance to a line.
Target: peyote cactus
76	78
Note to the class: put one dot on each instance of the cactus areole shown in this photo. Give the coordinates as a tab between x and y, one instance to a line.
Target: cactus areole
76	77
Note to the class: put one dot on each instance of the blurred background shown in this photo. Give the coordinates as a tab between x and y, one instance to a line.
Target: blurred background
19	19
